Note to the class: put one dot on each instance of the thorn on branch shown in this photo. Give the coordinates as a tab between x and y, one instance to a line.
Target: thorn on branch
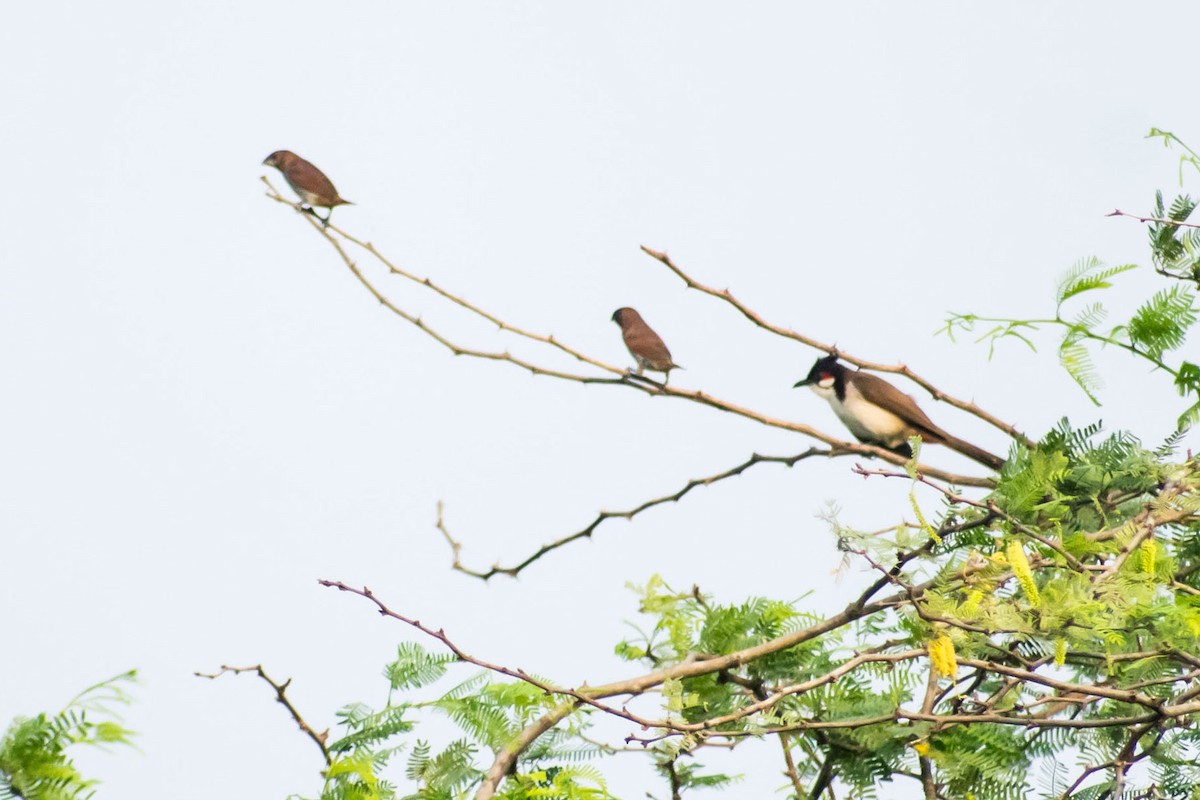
281	697
603	516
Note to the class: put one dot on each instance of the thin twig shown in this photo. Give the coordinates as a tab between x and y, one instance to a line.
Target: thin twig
1116	212
280	697
987	505
788	333
331	234
629	514
790	771
591	695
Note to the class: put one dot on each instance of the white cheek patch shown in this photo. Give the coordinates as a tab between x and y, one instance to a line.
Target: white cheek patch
823	390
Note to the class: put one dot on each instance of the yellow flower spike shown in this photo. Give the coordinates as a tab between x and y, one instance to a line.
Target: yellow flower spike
1015	552
942	656
1060	652
924	523
970	606
1148	552
922	748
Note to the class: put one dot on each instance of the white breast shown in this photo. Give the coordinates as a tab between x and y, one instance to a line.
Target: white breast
308	197
866	421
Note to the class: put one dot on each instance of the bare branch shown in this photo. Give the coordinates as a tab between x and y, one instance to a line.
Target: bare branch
798	688
603	516
900	715
1116	212
584	697
1093	690
788	333
335	236
790	770
280	697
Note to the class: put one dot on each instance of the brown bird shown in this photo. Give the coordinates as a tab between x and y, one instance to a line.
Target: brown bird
313	187
878	413
644	344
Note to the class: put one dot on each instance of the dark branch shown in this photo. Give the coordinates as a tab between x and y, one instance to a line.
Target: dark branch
603	516
280	697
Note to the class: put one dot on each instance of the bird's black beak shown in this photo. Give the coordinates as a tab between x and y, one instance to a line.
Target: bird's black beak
804	382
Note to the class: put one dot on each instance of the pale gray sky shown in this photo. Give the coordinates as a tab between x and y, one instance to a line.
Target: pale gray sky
204	413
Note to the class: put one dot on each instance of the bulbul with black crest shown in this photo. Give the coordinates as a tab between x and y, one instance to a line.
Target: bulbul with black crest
312	185
878	413
646	347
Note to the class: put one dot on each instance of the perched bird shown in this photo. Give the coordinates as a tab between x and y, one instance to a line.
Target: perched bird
310	183
878	413
644	344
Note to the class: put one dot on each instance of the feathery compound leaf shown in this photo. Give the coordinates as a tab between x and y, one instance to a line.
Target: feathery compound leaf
354	776
470	686
559	783
1189	417
450	769
418	760
372	728
1091	316
479	717
1181	208
34	759
1063	437
1077	361
415	667
1085	275
1161	323
1170	444
1073	274
1187	381
1165	245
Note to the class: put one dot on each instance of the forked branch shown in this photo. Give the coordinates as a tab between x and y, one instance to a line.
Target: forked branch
788	333
281	697
603	516
618	376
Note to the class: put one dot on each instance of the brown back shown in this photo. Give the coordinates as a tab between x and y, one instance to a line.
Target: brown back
881	393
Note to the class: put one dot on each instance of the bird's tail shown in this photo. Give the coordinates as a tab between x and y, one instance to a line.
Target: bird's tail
974	453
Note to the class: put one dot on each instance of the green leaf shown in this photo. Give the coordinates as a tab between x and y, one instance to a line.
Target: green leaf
34	759
1162	323
415	667
1077	361
1086	275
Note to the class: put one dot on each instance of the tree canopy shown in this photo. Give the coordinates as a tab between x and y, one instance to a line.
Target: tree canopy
1032	632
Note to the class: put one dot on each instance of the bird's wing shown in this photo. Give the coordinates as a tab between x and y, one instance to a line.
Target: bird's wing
881	393
644	342
303	175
